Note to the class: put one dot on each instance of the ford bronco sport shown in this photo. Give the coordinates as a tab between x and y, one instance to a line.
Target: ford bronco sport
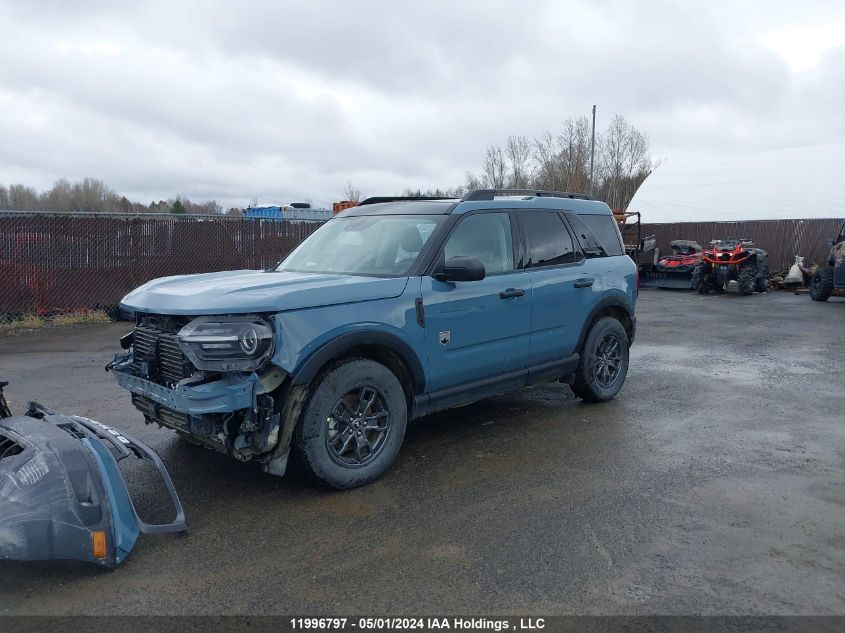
390	311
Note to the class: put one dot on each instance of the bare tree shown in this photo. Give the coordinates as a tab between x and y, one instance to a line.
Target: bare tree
574	145
23	198
624	162
547	160
494	167
518	152
351	193
474	182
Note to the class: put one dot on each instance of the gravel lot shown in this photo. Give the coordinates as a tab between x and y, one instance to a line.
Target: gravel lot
713	484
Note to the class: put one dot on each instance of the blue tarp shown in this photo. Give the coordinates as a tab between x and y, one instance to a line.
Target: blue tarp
287	213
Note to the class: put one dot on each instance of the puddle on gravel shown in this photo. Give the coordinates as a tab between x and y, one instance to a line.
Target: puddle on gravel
749	370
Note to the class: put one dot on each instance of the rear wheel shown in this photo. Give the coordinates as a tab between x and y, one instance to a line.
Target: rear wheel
351	430
821	283
746	279
604	362
701	278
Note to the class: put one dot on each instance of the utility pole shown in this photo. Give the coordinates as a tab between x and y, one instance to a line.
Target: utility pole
592	150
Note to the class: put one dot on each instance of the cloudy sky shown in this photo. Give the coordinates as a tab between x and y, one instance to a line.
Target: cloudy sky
290	100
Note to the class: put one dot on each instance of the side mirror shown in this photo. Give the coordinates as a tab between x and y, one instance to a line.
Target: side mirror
461	269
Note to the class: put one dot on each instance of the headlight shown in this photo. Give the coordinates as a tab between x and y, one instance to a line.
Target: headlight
228	343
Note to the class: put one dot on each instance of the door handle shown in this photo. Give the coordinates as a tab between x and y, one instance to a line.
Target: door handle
584	282
511	292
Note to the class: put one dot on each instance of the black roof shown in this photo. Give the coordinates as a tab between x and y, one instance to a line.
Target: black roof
412	206
490	194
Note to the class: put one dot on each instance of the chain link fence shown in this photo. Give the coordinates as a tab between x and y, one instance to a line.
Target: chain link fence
66	263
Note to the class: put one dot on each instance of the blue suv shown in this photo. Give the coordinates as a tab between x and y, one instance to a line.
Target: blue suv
390	311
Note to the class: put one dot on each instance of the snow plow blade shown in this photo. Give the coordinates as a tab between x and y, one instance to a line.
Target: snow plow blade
650	278
62	495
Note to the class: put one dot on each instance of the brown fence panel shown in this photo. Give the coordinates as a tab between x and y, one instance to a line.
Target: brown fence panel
54	262
781	239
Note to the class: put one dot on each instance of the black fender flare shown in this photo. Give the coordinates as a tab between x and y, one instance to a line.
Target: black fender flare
337	346
612	301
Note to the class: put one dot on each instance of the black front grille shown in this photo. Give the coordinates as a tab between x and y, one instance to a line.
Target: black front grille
9	447
161	414
156	354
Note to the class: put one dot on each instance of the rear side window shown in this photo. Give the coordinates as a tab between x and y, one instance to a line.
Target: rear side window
589	242
605	229
548	240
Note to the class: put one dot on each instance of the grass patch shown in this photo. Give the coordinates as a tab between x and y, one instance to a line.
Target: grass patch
31	322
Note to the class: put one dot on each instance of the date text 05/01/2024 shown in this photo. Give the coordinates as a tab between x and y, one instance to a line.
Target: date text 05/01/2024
411	623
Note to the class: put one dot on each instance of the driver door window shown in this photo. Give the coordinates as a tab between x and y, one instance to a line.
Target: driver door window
486	236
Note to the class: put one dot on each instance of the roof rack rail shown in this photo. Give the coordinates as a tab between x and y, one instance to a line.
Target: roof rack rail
490	194
380	199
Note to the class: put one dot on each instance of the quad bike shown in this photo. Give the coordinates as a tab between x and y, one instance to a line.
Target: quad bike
675	270
731	260
62	495
831	275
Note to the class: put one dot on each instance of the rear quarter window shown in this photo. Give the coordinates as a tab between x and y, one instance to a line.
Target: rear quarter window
606	231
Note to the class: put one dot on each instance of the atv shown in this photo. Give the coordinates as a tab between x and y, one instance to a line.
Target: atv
831	275
675	270
731	260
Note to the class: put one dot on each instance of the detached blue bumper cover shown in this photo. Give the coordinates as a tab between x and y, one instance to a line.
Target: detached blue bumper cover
61	492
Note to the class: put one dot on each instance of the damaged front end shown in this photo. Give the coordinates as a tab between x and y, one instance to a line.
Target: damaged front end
211	380
62	495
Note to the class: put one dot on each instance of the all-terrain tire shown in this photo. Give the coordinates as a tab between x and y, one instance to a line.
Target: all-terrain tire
761	284
821	283
591	383
746	278
701	278
313	449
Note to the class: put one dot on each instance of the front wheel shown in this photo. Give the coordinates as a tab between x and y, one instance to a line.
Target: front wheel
701	278
746	278
821	283
352	427
604	362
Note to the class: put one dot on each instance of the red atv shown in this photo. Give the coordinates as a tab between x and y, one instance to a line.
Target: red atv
675	270
731	260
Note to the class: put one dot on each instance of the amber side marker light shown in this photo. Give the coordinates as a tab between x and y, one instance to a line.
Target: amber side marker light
98	544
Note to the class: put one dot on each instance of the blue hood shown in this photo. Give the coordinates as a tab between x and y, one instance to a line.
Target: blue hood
244	291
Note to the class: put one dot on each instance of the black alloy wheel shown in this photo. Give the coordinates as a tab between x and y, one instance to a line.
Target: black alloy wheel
608	363
358	427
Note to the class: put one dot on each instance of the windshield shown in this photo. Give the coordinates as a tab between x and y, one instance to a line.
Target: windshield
379	245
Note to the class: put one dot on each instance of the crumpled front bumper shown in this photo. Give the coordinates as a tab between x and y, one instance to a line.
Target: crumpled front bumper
235	413
229	392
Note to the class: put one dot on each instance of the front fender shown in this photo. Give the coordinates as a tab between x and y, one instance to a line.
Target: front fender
307	339
360	338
